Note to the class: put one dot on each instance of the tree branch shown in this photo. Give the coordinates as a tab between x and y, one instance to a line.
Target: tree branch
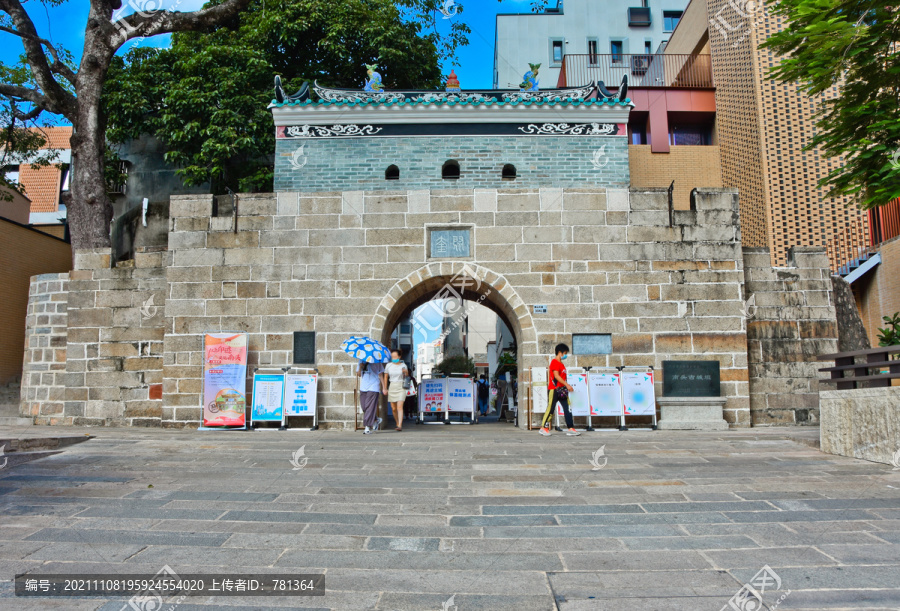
61	100
152	23
57	66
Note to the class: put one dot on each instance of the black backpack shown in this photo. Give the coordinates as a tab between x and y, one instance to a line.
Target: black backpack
483	391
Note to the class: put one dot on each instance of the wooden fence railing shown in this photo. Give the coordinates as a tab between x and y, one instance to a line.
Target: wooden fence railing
876	371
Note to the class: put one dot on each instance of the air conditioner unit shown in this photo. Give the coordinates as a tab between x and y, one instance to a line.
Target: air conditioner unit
640	64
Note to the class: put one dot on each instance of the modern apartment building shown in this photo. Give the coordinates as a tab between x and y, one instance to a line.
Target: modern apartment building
617	27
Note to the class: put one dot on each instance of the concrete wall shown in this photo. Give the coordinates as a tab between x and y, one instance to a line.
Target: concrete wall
791	322
862	423
601	260
353	164
24	252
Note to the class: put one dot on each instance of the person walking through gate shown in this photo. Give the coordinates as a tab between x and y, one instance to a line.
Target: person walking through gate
396	372
484	395
558	391
372	383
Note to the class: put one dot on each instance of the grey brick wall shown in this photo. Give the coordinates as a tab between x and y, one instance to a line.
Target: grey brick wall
358	164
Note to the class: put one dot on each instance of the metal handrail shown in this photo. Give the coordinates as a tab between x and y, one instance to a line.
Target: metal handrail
681	70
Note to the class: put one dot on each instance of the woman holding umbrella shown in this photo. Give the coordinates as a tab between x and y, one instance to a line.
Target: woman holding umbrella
372	378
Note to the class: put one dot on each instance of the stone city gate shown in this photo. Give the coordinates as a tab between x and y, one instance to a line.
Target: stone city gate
346	245
603	261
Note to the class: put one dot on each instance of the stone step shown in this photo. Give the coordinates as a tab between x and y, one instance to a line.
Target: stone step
15	421
32	444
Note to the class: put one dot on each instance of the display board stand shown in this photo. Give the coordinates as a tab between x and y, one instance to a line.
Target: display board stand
605	391
579	400
461	398
268	397
301	392
431	389
281	393
638	395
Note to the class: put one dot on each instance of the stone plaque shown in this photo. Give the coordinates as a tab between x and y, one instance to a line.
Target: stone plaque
591	343
691	379
304	347
450	243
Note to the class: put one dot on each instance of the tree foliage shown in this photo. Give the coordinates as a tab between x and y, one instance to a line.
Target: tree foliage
458	363
205	97
853	45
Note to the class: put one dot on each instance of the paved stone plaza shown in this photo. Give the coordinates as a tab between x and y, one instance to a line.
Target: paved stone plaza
497	517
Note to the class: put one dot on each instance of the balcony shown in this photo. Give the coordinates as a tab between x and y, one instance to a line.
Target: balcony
639	17
683	71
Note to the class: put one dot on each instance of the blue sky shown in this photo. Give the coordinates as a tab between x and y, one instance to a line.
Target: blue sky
64	26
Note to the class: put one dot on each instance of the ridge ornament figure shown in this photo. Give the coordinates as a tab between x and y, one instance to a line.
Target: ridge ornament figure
529	80
373	83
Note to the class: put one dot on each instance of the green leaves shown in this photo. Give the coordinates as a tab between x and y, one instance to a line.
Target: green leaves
890	336
205	98
851	44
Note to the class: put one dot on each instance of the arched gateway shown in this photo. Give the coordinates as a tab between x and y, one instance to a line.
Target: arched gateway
344	247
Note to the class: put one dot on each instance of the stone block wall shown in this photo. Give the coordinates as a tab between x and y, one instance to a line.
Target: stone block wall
792	320
351	164
112	343
346	263
44	366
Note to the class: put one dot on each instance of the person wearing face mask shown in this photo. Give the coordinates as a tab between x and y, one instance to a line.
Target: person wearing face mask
558	390
396	371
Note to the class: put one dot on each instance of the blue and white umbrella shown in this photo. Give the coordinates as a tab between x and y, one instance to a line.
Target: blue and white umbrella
366	349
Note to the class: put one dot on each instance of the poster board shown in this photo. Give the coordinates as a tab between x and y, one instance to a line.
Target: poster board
539	395
579	399
300	394
606	394
638	394
268	397
433	396
460	395
224	379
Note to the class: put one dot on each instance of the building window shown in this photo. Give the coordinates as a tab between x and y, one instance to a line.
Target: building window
392	173
670	20
690	135
557	51
118	176
450	171
509	172
304	347
615	49
593	51
648	46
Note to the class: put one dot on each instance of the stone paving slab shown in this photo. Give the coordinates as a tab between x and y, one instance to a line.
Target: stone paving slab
492	516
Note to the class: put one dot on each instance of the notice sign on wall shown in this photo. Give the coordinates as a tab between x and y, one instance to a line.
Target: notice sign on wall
224	379
268	397
432	396
300	394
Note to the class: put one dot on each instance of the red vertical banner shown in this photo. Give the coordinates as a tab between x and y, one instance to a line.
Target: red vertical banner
224	379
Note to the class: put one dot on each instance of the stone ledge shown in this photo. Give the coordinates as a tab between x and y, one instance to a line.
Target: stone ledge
692	413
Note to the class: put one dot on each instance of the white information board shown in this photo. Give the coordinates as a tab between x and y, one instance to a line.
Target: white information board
300	394
579	398
433	395
539	396
268	397
460	395
638	393
606	394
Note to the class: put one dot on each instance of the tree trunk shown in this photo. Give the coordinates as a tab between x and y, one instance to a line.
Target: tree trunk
90	210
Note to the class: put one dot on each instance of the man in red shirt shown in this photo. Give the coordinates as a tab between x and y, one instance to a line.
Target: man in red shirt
558	391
